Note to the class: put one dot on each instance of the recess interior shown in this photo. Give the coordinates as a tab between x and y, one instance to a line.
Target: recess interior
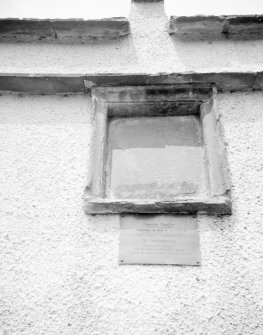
157	149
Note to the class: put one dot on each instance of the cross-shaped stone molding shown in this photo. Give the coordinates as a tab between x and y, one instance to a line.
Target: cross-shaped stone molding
191	99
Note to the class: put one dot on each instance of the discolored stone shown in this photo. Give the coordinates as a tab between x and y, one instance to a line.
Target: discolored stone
219	206
157	163
41	84
197	25
230	26
91	29
155	158
77	30
246	26
25	30
198	84
259	82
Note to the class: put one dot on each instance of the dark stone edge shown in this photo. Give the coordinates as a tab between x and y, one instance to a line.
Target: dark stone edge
28	30
222	207
243	26
81	84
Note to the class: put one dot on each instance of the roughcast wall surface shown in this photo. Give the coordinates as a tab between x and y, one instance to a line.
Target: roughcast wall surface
59	271
59	268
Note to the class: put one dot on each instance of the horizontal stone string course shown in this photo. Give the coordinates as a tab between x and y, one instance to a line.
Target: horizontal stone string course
154	207
81	84
70	30
232	26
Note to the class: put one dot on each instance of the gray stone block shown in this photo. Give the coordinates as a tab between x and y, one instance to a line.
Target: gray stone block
250	26
41	84
25	30
197	25
157	163
77	30
91	29
229	26
258	86
56	84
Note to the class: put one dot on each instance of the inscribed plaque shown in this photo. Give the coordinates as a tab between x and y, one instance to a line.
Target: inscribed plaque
159	239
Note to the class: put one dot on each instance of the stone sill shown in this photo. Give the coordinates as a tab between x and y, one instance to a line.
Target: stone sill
228	26
81	84
221	206
56	30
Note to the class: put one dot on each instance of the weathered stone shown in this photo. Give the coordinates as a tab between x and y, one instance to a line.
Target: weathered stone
259	82
25	30
41	84
177	92
245	26
162	108
225	81
91	29
197	25
54	84
78	30
160	169
231	26
104	206
155	158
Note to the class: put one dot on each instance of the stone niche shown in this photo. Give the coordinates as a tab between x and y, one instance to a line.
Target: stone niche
157	149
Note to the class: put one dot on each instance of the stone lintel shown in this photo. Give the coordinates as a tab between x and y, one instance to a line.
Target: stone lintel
230	26
80	84
62	30
225	81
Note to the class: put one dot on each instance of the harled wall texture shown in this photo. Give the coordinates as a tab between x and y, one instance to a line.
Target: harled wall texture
59	267
59	271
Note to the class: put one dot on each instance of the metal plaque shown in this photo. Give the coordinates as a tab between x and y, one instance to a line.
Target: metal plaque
159	239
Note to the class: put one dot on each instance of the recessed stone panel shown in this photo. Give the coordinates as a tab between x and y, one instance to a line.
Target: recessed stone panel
157	149
155	158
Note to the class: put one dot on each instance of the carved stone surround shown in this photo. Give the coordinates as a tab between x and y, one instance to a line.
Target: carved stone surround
166	101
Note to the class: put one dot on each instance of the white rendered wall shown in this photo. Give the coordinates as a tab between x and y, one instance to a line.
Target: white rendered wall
69	9
208	7
59	271
59	268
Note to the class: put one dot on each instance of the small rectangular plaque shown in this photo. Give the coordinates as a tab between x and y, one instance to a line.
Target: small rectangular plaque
159	239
